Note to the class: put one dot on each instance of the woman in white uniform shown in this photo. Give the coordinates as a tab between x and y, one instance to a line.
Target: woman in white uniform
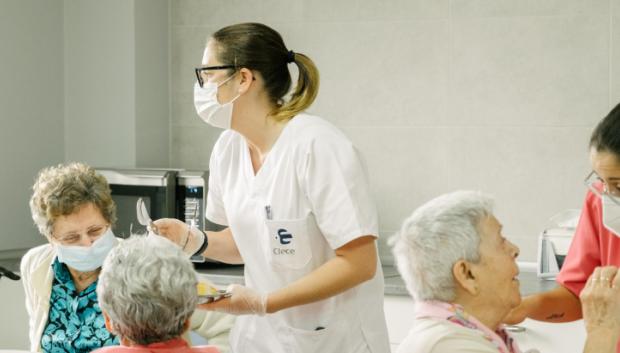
293	193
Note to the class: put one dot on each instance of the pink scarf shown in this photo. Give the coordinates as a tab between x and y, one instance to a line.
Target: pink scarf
456	315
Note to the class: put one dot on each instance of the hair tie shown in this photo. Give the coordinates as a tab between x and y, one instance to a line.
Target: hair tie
290	57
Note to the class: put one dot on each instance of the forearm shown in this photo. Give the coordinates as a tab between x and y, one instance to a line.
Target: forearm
343	272
601	341
557	305
222	247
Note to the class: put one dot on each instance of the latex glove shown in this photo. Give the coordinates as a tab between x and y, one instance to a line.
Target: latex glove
188	238
243	301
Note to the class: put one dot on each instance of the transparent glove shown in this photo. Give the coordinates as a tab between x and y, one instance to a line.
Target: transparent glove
188	238
243	301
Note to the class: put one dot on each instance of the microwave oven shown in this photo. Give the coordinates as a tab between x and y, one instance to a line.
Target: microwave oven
167	193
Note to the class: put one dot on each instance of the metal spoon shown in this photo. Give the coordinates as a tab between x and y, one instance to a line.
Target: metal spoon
144	218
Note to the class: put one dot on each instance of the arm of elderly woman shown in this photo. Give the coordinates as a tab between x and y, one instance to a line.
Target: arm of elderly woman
601	310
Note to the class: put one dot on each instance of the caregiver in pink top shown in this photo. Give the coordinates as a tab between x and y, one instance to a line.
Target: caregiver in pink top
597	239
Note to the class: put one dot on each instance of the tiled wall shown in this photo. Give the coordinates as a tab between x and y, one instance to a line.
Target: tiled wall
439	95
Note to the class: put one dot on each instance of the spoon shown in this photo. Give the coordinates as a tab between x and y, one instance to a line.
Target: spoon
144	218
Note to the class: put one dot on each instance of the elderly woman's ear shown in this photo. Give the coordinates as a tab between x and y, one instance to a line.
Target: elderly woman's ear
108	322
465	278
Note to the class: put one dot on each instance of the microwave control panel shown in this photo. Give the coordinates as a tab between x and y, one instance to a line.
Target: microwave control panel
193	205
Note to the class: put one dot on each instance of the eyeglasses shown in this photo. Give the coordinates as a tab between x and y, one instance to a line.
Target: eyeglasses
612	193
200	71
93	233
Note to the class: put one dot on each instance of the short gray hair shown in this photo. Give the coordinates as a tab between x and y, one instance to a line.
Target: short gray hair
147	287
436	236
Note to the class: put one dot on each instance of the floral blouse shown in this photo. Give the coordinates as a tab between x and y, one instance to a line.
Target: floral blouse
75	323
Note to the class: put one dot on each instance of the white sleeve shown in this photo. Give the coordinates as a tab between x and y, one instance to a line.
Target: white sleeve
336	185
25	272
214	326
215	212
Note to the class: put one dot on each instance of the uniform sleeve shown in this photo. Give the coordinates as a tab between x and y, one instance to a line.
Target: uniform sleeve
215	204
336	185
584	253
214	326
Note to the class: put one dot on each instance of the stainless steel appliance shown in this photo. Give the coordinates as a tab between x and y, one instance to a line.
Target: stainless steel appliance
167	193
553	242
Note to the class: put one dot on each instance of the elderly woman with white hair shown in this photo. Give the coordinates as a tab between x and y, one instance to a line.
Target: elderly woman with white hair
148	292
462	273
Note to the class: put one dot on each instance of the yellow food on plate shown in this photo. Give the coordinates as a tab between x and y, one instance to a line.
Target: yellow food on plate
206	289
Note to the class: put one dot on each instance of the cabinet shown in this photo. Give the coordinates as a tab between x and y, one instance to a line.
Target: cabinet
399	311
14	325
547	338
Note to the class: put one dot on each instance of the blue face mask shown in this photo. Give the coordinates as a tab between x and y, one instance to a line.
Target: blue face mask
84	258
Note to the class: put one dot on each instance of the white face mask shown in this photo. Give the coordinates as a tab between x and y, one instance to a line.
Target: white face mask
89	258
208	107
611	215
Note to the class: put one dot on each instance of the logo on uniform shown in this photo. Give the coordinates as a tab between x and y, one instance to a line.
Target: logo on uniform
285	238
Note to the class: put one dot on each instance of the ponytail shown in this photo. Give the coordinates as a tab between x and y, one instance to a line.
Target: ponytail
305	91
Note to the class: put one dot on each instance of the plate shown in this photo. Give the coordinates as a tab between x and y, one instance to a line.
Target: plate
209	298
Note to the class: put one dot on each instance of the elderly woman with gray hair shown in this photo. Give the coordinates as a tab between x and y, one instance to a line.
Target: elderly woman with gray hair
462	273
147	292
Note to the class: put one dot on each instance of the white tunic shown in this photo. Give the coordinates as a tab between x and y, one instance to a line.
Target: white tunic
310	196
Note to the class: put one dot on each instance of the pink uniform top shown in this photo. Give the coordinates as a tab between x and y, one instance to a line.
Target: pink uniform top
592	245
176	345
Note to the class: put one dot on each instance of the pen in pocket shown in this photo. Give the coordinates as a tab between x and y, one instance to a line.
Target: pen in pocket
268	214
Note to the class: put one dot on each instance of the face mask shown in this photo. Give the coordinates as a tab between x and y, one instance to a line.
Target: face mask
611	215
209	109
86	259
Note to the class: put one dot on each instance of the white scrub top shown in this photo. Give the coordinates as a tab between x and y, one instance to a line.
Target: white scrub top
310	196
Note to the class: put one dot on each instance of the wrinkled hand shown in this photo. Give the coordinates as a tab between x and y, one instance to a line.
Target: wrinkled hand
600	300
180	233
243	301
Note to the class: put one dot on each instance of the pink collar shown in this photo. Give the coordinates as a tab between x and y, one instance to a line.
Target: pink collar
456	315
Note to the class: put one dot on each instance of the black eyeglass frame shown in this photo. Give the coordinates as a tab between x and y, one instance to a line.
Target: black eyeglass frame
210	68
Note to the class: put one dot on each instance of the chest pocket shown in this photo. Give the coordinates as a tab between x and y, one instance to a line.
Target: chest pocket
289	243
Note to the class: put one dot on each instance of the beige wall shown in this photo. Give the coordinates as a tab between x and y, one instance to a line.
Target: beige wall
31	111
439	95
116	82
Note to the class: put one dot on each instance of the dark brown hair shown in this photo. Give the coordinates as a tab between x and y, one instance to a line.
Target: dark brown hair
606	135
258	47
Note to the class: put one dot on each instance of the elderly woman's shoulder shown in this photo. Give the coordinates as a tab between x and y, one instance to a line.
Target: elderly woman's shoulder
441	336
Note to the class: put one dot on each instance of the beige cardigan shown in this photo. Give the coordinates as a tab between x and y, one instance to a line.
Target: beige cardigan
37	277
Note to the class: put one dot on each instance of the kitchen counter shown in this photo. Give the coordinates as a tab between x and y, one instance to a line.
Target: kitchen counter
394	285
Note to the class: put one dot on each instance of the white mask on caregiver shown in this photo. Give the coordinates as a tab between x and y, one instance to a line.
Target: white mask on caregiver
611	214
209	108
